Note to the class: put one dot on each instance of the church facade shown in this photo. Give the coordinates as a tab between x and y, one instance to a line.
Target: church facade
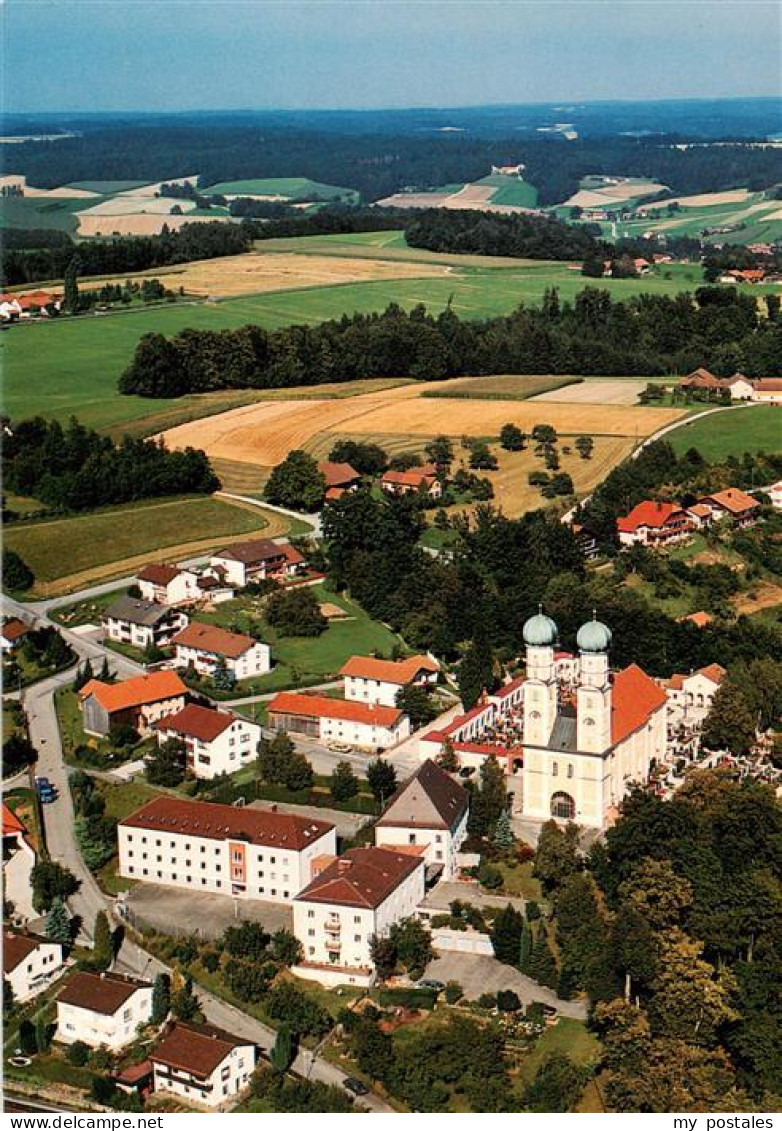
584	746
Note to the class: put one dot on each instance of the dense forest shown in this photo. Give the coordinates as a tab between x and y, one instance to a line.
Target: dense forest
646	334
378	164
76	469
25	261
482	233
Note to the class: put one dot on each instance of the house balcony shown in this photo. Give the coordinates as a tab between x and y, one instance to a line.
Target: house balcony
333	946
333	925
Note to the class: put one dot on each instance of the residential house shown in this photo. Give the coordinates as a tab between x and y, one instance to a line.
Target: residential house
430	810
340	477
142	623
205	847
18	862
416	479
30	963
740	387
692	694
366	726
370	680
355	897
768	390
734	504
102	1009
700	515
216	742
13	633
138	702
168	584
201	1063
204	646
654	524
642	266
257	560
700	619
774	492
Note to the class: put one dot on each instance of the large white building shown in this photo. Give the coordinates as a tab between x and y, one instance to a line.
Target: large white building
30	963
216	742
429	810
358	895
102	1009
690	696
202	1064
241	852
369	680
582	754
203	646
367	726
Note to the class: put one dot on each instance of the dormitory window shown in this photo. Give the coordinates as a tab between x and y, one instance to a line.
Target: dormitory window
555	769
570	771
310	914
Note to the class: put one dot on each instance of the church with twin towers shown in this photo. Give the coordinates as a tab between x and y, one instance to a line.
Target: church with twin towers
588	742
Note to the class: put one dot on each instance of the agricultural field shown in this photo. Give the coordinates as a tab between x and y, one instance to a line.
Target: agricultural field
292	189
69	553
55	369
496	193
739	216
732	432
609	192
612	391
501	388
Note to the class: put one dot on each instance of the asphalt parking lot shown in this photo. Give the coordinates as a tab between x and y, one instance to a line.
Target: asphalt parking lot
481	974
204	914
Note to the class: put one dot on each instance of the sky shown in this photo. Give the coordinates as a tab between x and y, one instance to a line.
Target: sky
263	54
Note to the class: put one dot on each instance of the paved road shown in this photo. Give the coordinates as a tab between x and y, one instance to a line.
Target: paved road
312	520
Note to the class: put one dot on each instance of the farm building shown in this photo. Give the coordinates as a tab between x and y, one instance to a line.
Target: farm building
138	702
369	727
422	479
340	477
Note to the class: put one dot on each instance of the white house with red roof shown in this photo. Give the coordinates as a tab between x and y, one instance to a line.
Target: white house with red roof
370	680
168	584
415	479
581	755
216	742
13	633
367	726
246	853
102	1009
690	696
30	963
139	701
355	896
203	646
654	524
732	503
257	560
201	1064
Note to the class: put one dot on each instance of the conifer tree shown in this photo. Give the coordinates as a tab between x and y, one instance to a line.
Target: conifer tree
102	949
503	833
542	967
161	998
58	924
525	948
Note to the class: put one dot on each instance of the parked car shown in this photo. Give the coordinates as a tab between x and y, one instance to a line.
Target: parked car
431	984
45	790
340	747
357	1087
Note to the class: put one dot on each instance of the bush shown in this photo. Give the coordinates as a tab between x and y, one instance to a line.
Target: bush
453	992
508	1001
487	1001
78	1054
490	876
409	998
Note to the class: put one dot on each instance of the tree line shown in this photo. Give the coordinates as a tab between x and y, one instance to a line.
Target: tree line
645	334
33	260
76	469
484	233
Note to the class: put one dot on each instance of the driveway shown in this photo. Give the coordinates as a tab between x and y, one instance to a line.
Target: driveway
204	914
479	974
443	894
347	824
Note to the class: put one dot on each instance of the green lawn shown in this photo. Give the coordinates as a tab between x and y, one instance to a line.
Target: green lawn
85	612
58	549
511	190
520	881
72	365
292	188
300	660
568	1036
731	433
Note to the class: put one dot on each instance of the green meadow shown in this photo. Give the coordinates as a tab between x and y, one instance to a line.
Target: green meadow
733	432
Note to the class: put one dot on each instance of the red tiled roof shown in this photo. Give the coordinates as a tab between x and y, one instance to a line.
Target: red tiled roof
134	1073
225	822
415	477
322	706
210	638
399	672
362	877
700	510
14	629
647	513
198	1049
768	385
508	688
714	672
136	692
259	550
338	474
158	574
11	823
17	947
100	993
635	698
204	723
734	500
699	619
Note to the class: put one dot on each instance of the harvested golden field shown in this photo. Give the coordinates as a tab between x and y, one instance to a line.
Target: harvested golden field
136	225
258	273
611	392
705	199
485	418
264	432
511	387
